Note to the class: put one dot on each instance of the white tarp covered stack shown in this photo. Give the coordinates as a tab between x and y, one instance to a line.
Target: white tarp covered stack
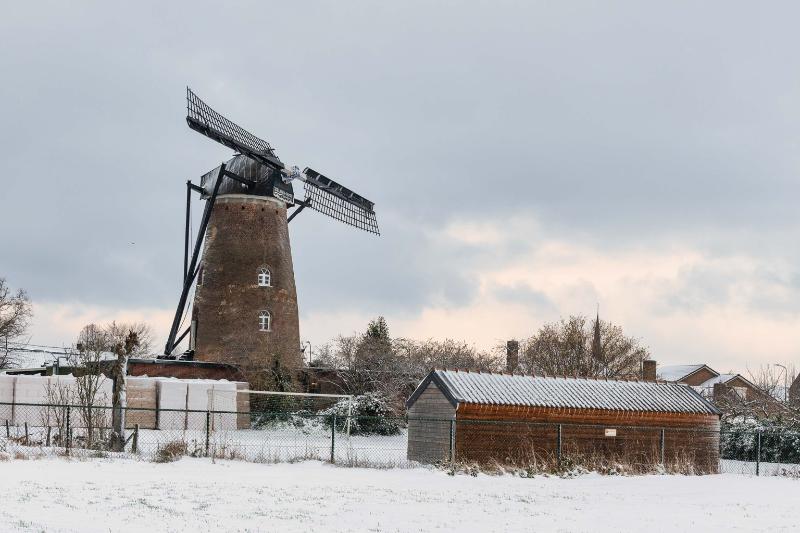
223	403
180	404
30	390
171	404
197	399
7	399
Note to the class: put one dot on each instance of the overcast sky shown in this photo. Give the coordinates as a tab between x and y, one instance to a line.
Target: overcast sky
527	161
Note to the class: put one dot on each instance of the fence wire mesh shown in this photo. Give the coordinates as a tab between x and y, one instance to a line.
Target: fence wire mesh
37	430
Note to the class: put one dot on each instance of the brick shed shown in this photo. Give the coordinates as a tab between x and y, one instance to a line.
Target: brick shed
479	416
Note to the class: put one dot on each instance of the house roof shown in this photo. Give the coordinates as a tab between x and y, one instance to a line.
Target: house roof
725	378
722	378
679	372
536	391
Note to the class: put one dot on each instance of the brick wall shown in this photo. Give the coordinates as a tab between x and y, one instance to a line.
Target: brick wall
246	233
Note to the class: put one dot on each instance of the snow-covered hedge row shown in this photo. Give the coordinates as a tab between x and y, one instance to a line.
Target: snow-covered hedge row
780	442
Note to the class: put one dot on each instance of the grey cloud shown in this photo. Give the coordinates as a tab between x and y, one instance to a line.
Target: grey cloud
627	124
522	294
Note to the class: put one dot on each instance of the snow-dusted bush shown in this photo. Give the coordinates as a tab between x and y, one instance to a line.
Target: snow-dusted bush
780	441
371	415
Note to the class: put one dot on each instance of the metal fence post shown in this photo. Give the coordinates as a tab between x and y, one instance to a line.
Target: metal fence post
661	446
8	431
758	453
208	431
27	437
66	437
333	439
558	446
452	441
135	444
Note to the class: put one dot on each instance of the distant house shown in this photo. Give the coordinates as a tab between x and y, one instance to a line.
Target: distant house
711	383
479	416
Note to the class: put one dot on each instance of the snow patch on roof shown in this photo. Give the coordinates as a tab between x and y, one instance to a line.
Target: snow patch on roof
676	372
722	378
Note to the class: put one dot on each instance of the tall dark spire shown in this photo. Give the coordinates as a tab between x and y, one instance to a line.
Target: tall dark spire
597	347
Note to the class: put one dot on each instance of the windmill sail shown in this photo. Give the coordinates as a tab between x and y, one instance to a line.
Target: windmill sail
321	193
205	120
338	202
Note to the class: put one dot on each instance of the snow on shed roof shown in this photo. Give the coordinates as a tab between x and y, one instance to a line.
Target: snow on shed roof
676	372
580	393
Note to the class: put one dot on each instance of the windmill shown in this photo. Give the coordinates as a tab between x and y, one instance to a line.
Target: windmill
245	304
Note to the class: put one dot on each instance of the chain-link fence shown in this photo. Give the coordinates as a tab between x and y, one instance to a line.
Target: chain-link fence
760	451
30	430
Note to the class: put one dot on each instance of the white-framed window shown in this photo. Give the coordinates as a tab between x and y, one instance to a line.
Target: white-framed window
264	321
264	277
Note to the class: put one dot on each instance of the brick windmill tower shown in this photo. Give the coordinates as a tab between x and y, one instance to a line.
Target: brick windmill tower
245	304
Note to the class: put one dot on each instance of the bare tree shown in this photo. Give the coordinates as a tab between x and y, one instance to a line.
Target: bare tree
123	350
374	362
15	314
87	361
120	331
420	357
773	379
59	396
97	346
582	347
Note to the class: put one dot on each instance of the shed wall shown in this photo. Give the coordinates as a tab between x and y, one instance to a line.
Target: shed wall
524	434
429	426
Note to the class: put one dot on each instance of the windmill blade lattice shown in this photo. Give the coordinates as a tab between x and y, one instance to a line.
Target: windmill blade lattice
323	200
205	120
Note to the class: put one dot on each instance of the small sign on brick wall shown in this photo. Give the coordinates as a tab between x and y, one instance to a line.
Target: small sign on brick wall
611	432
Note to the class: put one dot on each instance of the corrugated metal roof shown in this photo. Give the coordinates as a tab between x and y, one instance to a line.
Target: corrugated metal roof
580	393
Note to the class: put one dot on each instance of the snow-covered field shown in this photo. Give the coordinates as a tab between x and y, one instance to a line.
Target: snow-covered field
198	495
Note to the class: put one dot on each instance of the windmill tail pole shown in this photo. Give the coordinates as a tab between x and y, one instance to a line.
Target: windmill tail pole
192	270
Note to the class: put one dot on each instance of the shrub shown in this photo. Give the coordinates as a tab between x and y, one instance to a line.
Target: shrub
371	415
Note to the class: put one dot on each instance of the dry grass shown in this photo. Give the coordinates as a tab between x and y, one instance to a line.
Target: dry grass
171	452
573	465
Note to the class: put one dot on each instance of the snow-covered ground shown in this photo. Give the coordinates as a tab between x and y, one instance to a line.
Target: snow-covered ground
198	495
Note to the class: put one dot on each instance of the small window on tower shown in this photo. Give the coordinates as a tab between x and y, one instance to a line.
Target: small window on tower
264	321
264	277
